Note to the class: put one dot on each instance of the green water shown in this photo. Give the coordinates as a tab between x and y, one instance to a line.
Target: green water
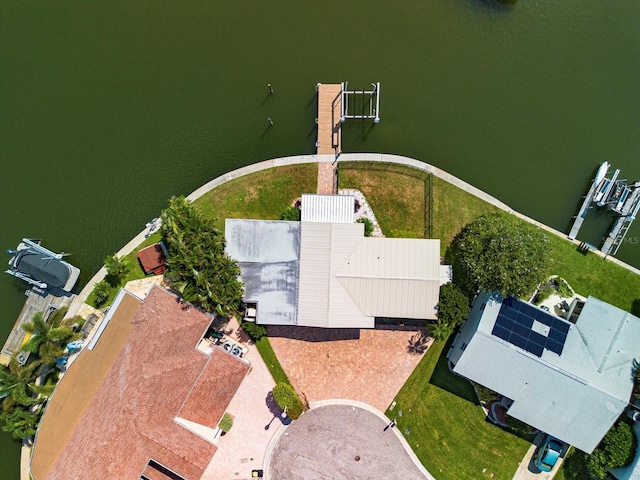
109	108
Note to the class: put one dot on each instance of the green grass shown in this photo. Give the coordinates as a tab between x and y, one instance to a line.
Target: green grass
453	208
262	195
397	200
592	275
449	431
134	271
268	355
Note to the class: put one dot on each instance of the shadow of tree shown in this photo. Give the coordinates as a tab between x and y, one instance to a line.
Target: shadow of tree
635	307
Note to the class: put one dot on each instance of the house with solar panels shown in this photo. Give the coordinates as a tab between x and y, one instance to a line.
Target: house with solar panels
569	378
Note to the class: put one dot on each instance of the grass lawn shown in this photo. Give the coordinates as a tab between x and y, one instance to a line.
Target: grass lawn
449	431
453	208
134	271
273	364
262	195
397	200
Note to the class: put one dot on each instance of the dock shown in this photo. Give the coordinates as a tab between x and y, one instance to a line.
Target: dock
329	125
37	301
621	226
582	213
329	135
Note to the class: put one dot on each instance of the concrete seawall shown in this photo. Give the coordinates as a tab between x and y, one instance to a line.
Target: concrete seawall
350	157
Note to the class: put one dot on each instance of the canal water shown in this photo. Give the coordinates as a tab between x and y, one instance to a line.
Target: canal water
109	108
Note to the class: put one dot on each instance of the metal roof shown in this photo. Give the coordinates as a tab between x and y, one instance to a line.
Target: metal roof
394	277
576	395
319	274
268	254
328	208
322	301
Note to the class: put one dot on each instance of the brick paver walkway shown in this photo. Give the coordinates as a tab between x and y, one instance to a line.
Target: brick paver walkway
365	365
327	178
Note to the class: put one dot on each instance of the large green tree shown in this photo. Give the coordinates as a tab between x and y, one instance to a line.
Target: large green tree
498	252
198	266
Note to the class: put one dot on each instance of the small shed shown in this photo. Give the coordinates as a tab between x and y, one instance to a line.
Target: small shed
153	259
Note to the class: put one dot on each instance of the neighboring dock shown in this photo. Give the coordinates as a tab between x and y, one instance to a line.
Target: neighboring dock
582	214
37	301
621	227
617	196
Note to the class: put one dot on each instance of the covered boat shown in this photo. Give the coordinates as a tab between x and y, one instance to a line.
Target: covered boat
43	268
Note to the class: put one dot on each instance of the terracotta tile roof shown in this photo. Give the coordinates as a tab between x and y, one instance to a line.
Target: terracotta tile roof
202	405
152	259
130	418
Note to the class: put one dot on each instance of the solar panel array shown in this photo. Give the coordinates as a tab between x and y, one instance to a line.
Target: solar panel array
514	325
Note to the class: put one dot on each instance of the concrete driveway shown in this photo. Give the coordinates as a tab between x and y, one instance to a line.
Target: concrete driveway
527	469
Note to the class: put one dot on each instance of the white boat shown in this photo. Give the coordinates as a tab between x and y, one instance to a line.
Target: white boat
602	171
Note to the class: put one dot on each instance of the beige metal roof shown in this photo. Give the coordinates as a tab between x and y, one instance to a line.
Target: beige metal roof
324	247
346	279
394	277
328	208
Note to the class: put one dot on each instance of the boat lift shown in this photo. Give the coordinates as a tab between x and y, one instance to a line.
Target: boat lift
370	108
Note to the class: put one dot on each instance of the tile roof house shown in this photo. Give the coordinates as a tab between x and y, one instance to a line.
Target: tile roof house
570	380
140	401
323	271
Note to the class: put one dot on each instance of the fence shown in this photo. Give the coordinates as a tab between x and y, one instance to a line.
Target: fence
401	169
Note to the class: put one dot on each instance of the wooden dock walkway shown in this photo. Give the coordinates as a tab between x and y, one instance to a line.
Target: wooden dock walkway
37	301
329	134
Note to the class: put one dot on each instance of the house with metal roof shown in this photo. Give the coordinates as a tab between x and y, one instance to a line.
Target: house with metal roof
323	271
142	400
570	379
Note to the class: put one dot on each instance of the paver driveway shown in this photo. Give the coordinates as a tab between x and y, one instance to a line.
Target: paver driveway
340	442
365	365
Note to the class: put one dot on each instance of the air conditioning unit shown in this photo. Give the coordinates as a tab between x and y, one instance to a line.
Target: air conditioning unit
634	415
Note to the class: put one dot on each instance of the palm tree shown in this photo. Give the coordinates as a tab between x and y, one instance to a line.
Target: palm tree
198	266
440	330
46	340
17	384
20	423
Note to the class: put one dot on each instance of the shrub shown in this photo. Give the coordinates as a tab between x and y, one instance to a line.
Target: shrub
368	226
255	331
288	400
226	422
484	394
616	450
291	213
564	290
440	330
544	292
453	307
101	293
